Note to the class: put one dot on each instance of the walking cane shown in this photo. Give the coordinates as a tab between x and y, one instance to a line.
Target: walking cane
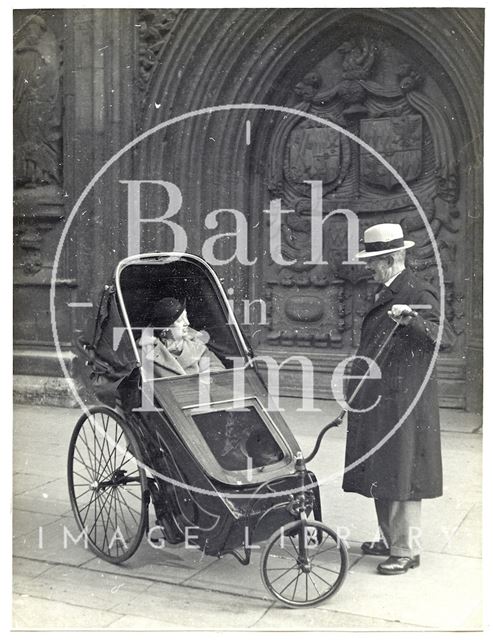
340	417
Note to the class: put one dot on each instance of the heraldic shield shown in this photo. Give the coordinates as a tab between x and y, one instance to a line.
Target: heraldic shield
399	141
314	154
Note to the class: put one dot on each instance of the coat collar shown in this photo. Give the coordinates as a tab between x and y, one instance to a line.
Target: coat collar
193	349
389	292
164	358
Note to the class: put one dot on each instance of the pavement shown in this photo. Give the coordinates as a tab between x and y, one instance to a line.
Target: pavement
57	584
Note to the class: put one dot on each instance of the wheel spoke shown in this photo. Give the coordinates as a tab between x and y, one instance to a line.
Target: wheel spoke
119	503
103	501
291	582
89	504
97	515
323	580
287	582
83	477
319	566
295	586
130	509
90	464
129	491
325	550
125	455
288	552
282	574
90	451
106	484
84	464
294	546
84	492
311	580
107	509
102	456
108	476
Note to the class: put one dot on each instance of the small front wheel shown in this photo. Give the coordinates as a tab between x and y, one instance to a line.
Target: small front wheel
304	563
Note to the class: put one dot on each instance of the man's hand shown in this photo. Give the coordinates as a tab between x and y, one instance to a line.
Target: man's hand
402	314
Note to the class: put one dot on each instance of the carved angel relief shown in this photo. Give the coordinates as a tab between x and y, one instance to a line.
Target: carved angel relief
37	105
38	205
365	87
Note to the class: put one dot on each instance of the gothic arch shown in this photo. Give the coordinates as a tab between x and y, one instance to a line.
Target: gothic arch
242	56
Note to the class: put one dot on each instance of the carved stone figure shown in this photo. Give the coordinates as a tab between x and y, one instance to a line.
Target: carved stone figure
37	105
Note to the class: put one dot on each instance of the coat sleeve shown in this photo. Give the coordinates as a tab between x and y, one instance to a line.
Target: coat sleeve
426	325
210	361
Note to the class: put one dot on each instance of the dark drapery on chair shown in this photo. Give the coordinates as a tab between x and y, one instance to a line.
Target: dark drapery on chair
105	350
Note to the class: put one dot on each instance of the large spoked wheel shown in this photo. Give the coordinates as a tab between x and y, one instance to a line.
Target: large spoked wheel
304	563
108	489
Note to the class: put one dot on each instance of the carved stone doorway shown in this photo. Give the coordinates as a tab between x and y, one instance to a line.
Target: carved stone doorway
385	88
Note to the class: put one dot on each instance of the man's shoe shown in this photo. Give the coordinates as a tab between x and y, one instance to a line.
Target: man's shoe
396	565
375	548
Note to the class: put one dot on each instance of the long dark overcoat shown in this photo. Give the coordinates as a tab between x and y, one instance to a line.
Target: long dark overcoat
408	466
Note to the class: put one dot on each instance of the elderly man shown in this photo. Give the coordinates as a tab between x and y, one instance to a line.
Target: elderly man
395	465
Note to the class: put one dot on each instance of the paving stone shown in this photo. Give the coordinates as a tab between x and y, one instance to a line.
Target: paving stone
229	576
28	568
467	539
316	619
54	490
197	608
30	613
57	543
59	419
78	586
27	481
39	463
442	593
142	623
460	421
24	570
32	503
171	565
28	522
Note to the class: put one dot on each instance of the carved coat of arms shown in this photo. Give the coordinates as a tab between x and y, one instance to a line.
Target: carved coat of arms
314	153
399	141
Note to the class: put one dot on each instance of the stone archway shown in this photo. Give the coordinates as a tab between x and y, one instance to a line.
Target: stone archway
371	81
381	73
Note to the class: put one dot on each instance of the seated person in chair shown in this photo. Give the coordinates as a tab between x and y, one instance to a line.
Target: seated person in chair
175	348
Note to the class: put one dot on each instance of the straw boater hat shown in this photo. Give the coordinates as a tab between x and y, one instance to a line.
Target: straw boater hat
383	238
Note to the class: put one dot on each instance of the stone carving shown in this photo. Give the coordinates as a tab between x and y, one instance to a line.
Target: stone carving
358	57
154	27
374	94
30	240
314	154
409	79
36	212
308	87
37	105
399	141
304	308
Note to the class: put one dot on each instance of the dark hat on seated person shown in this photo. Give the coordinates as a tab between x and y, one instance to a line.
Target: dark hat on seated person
166	311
